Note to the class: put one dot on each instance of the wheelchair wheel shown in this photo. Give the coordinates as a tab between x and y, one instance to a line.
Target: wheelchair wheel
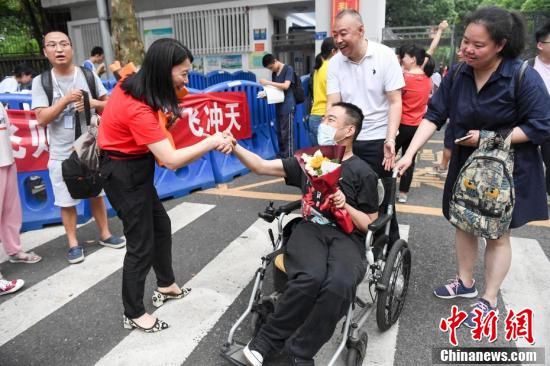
395	279
357	350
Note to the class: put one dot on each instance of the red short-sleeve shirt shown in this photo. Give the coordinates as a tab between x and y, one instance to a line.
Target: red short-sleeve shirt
415	98
128	125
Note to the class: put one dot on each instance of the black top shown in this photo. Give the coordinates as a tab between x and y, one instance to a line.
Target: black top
358	183
287	106
496	107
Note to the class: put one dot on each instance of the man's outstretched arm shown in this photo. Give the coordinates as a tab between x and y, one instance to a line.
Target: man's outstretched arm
257	164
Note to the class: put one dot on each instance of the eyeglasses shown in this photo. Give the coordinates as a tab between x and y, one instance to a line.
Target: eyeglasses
62	44
544	41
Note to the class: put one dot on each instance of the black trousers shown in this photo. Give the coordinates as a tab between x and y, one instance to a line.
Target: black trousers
285	134
324	266
545	149
402	141
129	187
373	153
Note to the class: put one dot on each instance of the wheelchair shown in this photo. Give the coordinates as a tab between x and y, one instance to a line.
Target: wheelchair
386	281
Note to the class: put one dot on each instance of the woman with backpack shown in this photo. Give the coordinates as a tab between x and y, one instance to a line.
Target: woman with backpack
492	95
319	91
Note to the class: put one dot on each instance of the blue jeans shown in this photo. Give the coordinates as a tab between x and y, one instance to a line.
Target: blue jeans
312	127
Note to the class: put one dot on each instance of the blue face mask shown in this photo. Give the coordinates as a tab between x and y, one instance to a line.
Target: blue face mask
325	135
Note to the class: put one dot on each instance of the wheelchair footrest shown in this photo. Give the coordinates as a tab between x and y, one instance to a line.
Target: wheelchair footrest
234	353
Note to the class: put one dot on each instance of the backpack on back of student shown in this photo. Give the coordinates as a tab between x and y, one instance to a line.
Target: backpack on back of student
47	83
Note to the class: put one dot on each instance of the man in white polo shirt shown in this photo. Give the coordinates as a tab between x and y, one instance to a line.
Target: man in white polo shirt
368	75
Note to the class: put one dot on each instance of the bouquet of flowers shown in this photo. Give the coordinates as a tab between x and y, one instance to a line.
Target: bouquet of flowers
321	164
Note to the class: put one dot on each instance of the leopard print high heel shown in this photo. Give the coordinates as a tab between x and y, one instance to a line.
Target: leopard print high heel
159	298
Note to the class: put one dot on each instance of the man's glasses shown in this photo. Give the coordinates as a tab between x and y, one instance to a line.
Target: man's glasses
62	44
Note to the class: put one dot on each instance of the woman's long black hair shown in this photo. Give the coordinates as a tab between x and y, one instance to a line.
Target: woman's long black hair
153	83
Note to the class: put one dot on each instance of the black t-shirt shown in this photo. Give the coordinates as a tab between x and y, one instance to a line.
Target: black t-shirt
358	182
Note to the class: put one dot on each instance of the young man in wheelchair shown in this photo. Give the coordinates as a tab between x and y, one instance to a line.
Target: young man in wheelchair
324	265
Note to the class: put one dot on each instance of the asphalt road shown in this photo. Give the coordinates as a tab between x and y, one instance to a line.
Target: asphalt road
71	315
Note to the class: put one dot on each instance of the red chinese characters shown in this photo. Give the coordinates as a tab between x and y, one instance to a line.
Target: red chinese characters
451	323
486	326
29	141
519	325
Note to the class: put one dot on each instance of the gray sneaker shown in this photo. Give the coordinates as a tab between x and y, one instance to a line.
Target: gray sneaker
115	242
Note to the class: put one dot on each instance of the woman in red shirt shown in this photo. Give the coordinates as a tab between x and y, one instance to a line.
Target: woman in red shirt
415	97
131	137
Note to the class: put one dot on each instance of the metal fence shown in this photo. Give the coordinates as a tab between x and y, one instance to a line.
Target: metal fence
38	63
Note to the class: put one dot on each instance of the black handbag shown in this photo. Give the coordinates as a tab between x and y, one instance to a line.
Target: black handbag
81	170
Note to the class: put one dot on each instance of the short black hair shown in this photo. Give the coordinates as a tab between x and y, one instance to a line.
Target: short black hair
414	51
429	67
355	116
502	26
96	51
268	59
542	32
153	84
54	31
22	69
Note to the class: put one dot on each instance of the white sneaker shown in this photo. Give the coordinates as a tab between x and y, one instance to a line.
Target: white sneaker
253	357
402	197
9	287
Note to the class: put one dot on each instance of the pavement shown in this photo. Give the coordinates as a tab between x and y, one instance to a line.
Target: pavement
72	314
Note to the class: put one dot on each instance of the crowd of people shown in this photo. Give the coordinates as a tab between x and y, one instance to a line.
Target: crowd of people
366	97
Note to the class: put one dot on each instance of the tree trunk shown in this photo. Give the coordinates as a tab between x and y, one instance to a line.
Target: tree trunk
126	38
37	19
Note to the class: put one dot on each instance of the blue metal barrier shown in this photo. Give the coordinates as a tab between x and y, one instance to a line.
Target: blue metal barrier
16	101
194	176
226	167
244	75
300	119
197	80
36	195
217	77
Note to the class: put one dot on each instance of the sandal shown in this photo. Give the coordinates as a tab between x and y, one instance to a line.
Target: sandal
157	327
160	297
23	257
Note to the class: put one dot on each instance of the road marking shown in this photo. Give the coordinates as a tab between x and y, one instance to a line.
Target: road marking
215	288
29	307
35	238
409	209
259	184
526	286
381	345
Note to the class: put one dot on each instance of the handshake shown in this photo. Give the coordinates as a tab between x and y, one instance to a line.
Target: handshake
224	142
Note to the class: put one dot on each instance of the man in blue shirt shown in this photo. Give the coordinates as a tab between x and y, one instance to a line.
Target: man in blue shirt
282	78
96	58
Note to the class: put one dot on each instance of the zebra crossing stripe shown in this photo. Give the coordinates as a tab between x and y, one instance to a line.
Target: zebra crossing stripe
526	286
215	288
21	312
381	346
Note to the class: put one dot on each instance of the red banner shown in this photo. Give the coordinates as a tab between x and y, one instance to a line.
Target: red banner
203	114
29	141
339	5
206	114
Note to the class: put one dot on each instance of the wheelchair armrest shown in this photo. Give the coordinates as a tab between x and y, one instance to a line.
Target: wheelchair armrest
379	223
289	207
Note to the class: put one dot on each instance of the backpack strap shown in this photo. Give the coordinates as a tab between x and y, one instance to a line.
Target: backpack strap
520	76
531	62
47	83
90	80
87	115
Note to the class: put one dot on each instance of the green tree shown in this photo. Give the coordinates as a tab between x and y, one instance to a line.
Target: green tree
536	6
506	4
401	13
